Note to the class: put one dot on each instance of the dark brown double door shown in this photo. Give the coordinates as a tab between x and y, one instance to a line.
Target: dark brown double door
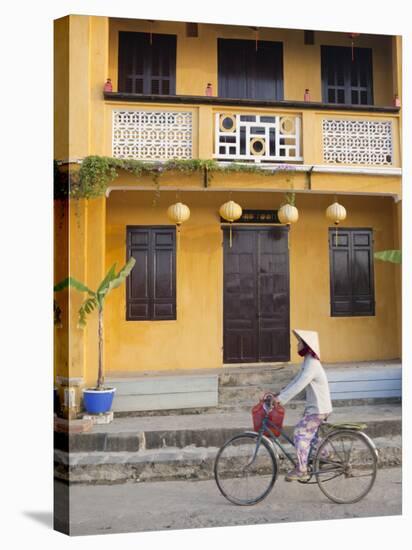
256	295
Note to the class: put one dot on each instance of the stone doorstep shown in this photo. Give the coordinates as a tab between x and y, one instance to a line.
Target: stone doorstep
171	464
238	386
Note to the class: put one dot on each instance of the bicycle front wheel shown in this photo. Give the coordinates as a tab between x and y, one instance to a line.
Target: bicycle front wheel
346	466
245	472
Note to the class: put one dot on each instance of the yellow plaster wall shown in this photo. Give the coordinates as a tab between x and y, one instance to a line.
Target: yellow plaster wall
197	57
194	340
81	57
85	57
61	87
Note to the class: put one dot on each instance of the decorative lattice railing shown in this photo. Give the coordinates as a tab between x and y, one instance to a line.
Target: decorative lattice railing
258	138
152	135
357	142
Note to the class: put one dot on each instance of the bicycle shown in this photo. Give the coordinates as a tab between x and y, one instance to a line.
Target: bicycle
343	464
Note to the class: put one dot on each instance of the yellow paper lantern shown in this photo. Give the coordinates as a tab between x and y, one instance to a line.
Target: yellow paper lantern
178	213
288	214
230	211
336	213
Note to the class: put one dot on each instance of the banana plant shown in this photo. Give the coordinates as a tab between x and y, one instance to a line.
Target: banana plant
95	300
394	256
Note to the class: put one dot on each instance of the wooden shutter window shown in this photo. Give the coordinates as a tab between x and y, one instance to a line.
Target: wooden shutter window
147	67
347	81
247	73
351	272
151	286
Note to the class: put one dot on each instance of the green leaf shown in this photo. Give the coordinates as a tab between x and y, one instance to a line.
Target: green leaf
123	273
71	281
394	256
111	274
86	308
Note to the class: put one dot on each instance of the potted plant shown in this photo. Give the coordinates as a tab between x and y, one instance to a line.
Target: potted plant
100	398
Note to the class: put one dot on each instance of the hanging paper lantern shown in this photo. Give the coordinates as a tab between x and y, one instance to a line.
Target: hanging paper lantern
288	214
230	211
178	213
336	213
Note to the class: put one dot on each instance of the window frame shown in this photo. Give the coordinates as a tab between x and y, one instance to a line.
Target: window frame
151	247
345	53
353	294
142	40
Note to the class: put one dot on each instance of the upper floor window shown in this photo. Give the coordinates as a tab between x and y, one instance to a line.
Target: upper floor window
147	65
247	72
347	78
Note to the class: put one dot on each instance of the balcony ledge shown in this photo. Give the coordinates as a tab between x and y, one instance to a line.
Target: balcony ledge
207	100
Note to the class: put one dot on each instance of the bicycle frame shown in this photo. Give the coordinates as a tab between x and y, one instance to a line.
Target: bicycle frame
275	439
266	423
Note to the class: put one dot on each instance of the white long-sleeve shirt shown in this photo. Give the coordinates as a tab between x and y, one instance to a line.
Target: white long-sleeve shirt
312	377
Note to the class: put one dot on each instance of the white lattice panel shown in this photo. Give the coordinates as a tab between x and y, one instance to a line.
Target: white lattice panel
357	142
258	138
152	135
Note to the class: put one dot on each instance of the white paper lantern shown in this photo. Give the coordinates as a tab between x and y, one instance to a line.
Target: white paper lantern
288	214
336	213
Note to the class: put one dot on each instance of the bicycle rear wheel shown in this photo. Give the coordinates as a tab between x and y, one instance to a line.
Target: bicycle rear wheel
346	466
245	473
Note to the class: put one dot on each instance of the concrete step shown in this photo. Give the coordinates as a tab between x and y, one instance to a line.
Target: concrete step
171	463
203	430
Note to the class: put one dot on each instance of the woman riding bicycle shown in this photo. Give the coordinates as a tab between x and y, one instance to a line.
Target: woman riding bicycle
318	403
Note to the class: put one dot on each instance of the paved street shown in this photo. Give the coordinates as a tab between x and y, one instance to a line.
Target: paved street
191	504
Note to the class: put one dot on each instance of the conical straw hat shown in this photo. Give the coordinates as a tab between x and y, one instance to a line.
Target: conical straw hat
310	337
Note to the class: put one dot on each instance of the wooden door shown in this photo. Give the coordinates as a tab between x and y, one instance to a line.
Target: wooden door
256	295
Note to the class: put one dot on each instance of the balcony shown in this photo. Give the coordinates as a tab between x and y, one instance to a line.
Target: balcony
262	133
257	138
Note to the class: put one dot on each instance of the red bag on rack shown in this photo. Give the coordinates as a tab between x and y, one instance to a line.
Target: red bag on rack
275	413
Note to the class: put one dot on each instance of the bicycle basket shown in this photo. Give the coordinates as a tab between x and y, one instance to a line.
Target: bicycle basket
275	415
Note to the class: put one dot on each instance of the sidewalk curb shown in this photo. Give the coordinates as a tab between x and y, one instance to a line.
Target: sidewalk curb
195	463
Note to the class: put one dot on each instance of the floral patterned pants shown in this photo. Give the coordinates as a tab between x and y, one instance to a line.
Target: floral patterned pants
305	432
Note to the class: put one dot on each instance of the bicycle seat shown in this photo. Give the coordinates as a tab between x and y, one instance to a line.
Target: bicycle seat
344	426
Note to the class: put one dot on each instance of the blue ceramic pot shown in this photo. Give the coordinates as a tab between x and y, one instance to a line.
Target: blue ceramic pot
98	401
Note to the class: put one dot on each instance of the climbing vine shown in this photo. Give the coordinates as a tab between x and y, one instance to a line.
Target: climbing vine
95	173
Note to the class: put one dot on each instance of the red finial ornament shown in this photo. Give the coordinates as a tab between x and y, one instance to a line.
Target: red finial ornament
108	87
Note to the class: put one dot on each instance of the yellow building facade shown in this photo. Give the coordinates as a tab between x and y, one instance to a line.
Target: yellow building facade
321	151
